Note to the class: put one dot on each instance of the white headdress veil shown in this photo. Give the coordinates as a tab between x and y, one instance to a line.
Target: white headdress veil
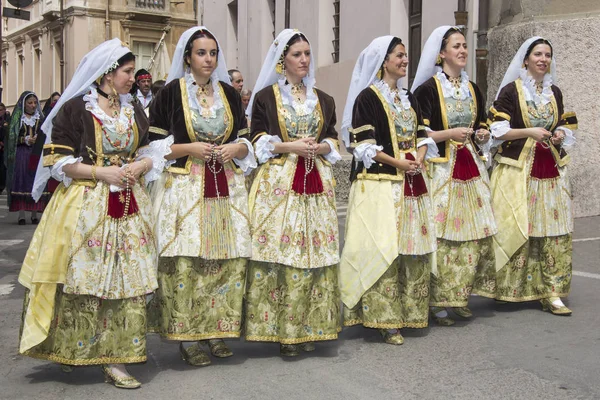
269	76
514	69
431	50
178	67
364	74
92	66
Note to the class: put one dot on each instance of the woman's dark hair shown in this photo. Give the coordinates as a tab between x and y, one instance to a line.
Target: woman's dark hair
190	44
535	43
298	37
125	59
395	42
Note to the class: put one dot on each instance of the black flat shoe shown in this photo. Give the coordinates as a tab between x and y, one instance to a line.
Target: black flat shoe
22	221
34	221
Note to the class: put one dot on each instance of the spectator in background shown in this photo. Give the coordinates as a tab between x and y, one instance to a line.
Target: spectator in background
237	80
156	86
246	94
49	104
143	83
4	123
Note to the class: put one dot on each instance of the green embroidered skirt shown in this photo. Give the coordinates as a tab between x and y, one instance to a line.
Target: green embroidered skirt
463	268
292	305
541	268
399	299
198	299
87	330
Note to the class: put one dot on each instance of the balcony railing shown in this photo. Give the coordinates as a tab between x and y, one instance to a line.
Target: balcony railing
149	5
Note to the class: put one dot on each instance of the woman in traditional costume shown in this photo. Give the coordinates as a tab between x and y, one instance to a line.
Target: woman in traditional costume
92	259
530	185
292	289
25	124
50	103
385	265
454	113
201	202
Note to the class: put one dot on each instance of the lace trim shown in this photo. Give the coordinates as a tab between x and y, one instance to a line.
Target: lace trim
530	91
126	117
390	94
193	99
450	91
287	99
30	121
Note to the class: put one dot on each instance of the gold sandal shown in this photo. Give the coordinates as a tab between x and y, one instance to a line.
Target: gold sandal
218	348
121	382
560	310
442	321
463	312
194	355
392	338
289	350
308	346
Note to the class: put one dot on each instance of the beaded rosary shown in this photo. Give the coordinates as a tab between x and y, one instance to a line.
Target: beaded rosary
213	159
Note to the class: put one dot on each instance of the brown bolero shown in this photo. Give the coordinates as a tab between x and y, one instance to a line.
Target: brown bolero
75	129
170	114
511	106
373	123
267	120
433	107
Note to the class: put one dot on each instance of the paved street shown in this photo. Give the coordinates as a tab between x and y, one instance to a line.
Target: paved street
505	352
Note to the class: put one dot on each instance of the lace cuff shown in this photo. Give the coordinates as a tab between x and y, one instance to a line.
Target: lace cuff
569	140
497	130
264	147
248	163
57	169
366	152
156	151
432	149
333	156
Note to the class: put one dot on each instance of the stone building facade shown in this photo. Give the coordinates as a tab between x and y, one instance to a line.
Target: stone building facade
31	50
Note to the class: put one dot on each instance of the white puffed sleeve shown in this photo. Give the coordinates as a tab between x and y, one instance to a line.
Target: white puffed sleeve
57	169
248	163
264	148
333	156
569	140
497	130
366	152
432	149
156	151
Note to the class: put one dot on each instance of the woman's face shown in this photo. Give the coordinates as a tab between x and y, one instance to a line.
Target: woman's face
203	57
297	60
455	53
396	64
123	77
30	105
539	60
55	98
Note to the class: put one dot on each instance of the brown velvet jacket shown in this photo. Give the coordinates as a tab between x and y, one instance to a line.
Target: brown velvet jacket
511	106
372	123
170	114
75	129
267	120
433	107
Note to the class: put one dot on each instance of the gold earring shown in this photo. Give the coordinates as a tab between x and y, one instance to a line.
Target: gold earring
438	60
379	74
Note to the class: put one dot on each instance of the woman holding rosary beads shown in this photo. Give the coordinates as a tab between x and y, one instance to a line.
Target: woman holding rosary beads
201	202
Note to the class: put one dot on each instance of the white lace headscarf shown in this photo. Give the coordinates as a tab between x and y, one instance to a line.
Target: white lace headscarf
514	69
93	65
268	75
427	64
364	74
179	67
